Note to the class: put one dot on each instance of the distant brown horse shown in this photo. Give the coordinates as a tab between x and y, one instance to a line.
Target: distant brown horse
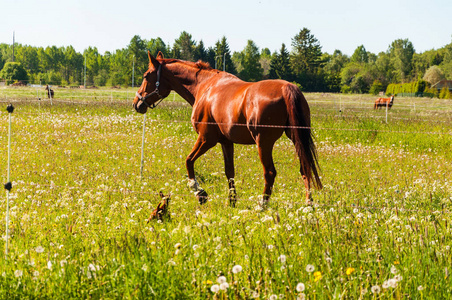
50	92
227	110
383	102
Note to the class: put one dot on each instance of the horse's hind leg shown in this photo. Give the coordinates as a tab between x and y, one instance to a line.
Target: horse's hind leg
228	154
201	146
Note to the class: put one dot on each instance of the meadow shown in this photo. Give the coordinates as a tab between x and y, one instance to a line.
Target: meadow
379	229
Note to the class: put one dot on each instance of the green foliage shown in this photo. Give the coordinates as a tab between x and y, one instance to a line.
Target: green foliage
376	87
12	72
251	66
416	88
280	65
445	93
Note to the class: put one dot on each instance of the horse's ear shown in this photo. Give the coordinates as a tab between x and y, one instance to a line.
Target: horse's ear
160	55
152	60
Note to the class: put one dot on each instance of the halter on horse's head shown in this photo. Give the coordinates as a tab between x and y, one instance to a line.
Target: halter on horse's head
145	97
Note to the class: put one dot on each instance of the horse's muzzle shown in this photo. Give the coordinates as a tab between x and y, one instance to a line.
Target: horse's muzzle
139	106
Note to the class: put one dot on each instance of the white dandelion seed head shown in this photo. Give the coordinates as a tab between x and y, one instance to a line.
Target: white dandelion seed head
215	288
273	297
236	269
385	284
301	296
310	268
49	265
420	288
221	279
392	283
394	270
300	287
39	249
224	286
18	273
375	289
282	258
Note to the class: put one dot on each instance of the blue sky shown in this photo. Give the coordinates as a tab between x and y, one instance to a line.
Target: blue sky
342	25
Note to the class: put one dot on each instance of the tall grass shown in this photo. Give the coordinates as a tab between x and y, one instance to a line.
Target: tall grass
380	229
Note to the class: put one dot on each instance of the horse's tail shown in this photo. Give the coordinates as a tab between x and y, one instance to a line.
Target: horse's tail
300	132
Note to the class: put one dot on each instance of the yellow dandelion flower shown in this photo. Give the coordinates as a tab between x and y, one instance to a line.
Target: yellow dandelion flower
396	262
317	276
209	282
349	271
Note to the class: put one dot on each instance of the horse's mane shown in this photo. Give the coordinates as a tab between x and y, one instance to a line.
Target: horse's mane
201	65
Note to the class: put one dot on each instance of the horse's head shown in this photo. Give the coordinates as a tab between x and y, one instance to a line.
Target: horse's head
151	89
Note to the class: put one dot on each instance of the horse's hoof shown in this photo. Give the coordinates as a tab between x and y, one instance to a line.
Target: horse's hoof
232	198
201	196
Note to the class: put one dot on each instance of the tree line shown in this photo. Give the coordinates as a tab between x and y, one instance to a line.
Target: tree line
304	64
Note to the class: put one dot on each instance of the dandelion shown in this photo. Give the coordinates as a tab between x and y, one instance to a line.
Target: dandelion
195	247
300	287
392	283
224	286
385	284
221	279
349	271
310	268
329	260
301	296
317	276
237	269
18	273
144	268
36	273
282	258
49	265
394	270
273	297
420	288
375	289
39	249
215	288
178	245
207	281
255	294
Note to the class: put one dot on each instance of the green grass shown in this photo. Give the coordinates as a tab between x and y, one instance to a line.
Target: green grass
78	206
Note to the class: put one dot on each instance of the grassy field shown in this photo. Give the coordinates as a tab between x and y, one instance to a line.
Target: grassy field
380	228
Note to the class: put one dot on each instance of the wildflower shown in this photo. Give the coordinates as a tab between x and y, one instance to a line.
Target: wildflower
329	260
398	278
375	289
349	271
49	265
420	288
300	287
178	245
18	273
385	284
215	288
310	268
301	296
39	249
394	270
255	294
237	269
392	283
317	276
273	297
221	279
396	262
195	247
207	281
282	258
224	286
36	273
144	268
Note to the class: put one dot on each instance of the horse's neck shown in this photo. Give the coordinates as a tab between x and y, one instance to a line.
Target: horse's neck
188	80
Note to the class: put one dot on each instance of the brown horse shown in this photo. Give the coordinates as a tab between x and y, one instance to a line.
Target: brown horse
383	102
227	110
50	92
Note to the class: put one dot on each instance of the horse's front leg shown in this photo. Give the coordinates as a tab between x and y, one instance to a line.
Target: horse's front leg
201	146
228	154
